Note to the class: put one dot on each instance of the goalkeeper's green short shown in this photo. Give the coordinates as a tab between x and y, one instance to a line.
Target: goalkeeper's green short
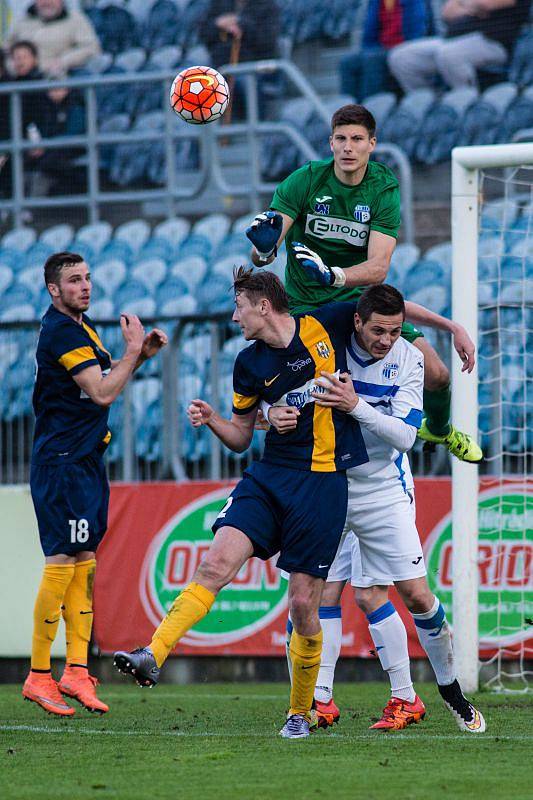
411	333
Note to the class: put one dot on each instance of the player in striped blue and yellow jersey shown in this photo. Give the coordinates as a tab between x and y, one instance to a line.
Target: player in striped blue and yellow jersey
75	384
293	501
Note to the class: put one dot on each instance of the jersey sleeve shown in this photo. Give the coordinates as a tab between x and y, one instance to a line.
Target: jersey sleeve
245	397
407	403
290	196
69	348
387	217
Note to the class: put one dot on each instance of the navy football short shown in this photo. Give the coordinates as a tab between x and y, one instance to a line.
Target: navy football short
297	513
71	503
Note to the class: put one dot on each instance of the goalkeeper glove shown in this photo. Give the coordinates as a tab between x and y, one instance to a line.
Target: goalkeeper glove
315	267
264	233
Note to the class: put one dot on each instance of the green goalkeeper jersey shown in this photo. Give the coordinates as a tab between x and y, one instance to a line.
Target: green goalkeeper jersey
335	221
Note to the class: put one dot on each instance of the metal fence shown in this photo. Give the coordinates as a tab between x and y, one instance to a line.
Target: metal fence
184	159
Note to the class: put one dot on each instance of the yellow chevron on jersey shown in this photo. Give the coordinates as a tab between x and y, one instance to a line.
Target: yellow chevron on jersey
316	338
76	357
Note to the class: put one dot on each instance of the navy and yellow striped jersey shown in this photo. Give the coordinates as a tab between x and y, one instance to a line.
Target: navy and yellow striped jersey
68	425
325	439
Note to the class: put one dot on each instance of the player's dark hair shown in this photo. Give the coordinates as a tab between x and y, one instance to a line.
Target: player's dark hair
353	114
56	262
382	299
259	284
26	44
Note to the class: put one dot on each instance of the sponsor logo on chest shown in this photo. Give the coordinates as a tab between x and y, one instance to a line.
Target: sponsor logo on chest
322	227
321	204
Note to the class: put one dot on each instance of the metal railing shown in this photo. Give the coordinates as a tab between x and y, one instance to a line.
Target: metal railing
211	141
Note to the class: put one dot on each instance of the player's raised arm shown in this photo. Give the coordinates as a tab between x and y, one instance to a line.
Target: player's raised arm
266	233
464	346
104	389
235	433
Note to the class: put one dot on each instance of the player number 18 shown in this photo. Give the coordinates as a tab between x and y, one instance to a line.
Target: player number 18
79	530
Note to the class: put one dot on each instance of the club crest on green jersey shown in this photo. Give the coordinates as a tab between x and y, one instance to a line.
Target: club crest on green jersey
361	213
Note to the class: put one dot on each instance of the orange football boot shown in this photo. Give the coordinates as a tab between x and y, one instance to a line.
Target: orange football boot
78	684
398	714
326	713
41	688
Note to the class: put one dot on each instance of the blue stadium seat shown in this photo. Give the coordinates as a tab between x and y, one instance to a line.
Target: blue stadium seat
499	215
33	278
442	126
192	270
405	122
6	277
96	235
521	69
135	233
11	258
442	254
381	106
151	272
130	60
18	239
483	120
17	304
424	280
166	58
195	245
235	243
109	274
155	248
241	223
182	306
128	293
225	266
58	237
173	231
37	254
339	18
102	309
187	31
213	227
403	258
116	123
518	115
214	295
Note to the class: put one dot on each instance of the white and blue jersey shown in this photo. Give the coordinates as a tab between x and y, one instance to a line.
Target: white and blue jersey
394	386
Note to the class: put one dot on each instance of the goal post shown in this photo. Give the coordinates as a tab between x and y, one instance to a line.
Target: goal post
467	164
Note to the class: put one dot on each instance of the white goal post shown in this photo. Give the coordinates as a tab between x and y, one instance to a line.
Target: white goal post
466	165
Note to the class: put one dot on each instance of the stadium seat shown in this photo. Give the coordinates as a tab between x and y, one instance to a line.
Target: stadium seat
17	304
135	233
182	306
405	122
18	239
6	277
442	126
192	270
521	69
98	64
214	295
130	60
10	258
173	231
213	227
235	243
166	58
102	309
37	254
109	275
499	215
483	120
381	106
96	235
225	266
32	277
58	237
240	224
519	115
442	254
339	18
151	272
403	258
195	245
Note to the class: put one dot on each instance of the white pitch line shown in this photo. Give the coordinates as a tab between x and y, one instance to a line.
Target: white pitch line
267	734
184	696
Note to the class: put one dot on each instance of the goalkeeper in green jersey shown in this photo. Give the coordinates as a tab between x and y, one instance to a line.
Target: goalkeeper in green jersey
340	218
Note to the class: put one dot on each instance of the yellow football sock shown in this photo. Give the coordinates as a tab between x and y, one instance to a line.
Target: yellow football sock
305	652
78	611
47	611
188	608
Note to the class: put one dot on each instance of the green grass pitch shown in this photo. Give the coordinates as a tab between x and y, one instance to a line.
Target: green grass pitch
220	741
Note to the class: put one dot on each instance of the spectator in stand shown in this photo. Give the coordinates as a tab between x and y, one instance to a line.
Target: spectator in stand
65	38
387	23
240	30
25	67
477	33
5	132
59	112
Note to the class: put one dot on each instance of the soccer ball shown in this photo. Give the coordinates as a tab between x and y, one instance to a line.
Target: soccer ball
199	95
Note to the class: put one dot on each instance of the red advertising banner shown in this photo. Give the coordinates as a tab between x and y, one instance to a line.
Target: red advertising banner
158	533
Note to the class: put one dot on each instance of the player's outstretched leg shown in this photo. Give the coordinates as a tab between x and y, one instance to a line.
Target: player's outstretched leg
434	635
229	551
40	687
78	615
390	641
436	427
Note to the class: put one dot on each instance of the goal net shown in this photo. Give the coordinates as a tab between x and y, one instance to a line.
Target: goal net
492	295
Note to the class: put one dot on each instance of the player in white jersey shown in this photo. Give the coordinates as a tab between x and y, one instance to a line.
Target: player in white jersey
384	393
